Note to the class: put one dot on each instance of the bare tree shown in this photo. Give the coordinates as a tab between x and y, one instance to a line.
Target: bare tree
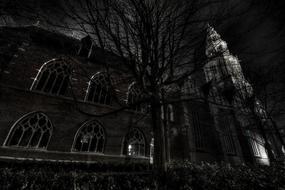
155	40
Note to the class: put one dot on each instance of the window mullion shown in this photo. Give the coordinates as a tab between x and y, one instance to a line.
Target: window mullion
94	93
47	79
61	84
31	137
42	133
90	141
21	137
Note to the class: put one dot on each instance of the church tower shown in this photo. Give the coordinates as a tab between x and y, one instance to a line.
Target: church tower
241	125
224	77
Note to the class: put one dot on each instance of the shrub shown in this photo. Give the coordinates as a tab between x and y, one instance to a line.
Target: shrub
224	176
180	176
66	176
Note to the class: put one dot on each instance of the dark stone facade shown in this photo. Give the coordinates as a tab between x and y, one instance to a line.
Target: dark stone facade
67	113
196	132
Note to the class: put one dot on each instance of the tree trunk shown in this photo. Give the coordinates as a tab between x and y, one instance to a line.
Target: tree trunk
159	141
165	122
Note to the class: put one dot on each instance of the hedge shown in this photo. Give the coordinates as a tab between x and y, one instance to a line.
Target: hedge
188	176
180	176
66	176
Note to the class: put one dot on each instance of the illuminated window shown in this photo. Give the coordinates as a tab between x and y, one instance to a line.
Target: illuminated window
134	97
134	143
151	152
53	77
257	145
99	89
32	131
90	138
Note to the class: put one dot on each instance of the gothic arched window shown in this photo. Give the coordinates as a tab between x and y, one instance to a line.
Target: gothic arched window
134	96
90	138
31	131
99	89
134	143
53	77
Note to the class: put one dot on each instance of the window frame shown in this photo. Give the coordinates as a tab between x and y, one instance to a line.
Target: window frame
93	83
134	91
125	144
86	124
21	119
198	131
65	74
227	136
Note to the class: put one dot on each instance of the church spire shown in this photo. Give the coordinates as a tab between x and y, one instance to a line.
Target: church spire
214	44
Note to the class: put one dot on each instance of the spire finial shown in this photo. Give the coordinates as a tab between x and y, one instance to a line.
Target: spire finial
214	43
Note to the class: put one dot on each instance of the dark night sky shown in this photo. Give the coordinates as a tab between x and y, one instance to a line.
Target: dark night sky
257	36
258	39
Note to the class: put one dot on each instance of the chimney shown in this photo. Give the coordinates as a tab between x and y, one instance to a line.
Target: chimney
85	46
91	54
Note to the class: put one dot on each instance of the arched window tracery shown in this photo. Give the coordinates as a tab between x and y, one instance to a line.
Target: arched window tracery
134	97
99	89
53	77
134	143
90	138
34	130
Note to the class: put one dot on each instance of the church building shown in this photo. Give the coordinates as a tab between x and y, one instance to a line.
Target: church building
59	103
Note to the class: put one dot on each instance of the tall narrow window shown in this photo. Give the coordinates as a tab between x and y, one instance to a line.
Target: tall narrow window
151	151
134	97
213	69
170	113
99	89
198	131
53	77
134	143
257	145
226	132
32	131
90	138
